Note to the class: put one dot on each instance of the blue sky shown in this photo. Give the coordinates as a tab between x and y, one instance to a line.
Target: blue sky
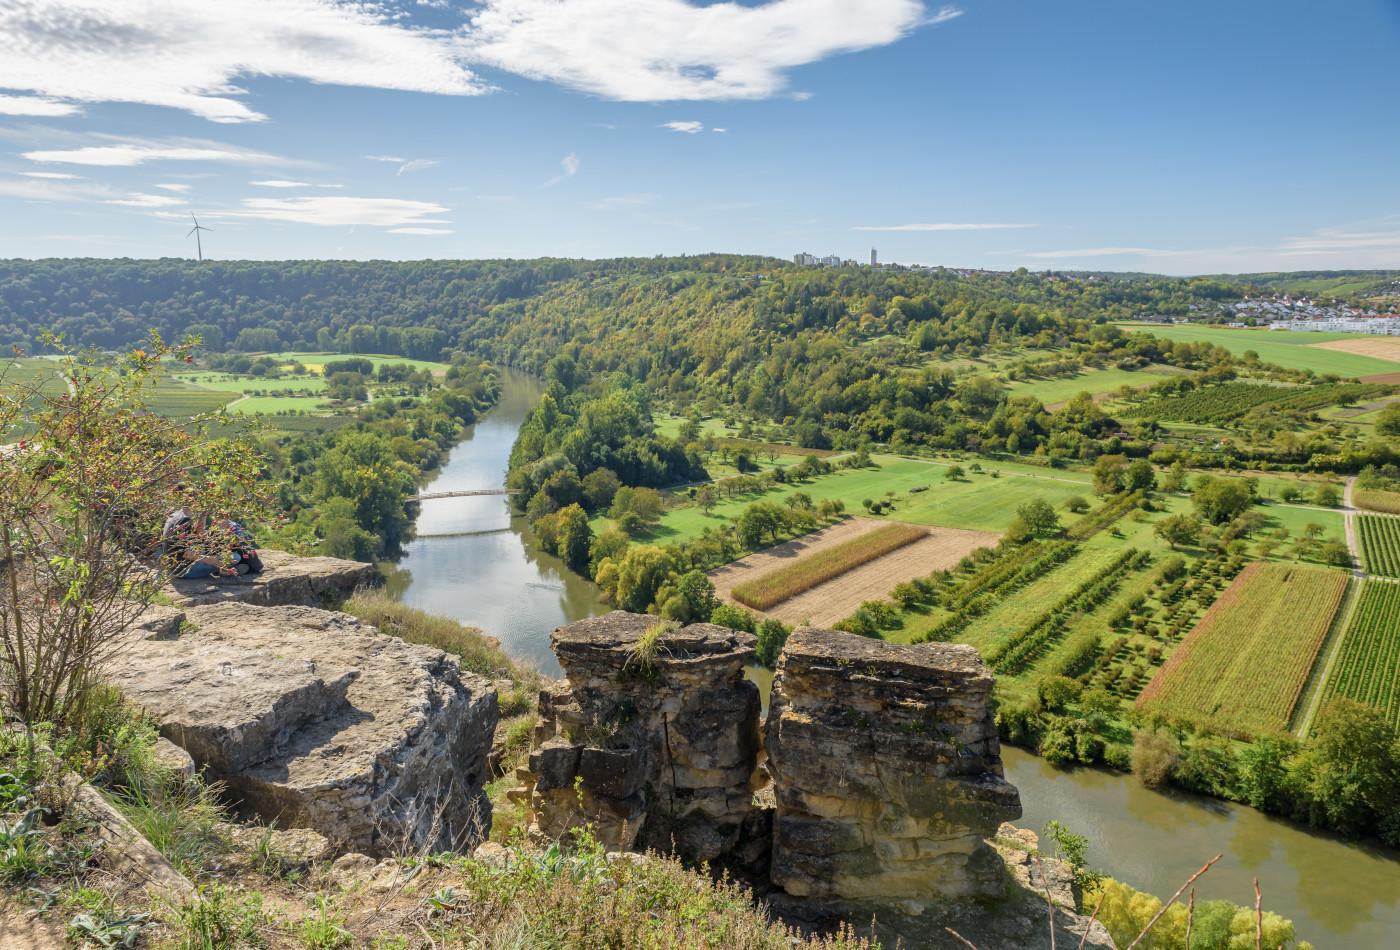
1175	137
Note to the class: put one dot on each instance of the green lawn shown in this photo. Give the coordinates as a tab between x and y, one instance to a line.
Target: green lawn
314	361
1094	382
1284	347
978	501
234	383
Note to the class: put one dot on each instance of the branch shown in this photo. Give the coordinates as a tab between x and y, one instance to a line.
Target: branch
1189	881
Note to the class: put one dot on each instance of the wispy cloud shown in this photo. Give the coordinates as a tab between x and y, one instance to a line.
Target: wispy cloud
35	106
425	232
188	56
570	164
53	176
139	200
395	159
339	211
941	226
1079	252
178	187
633	200
678	50
689	128
129	154
280	183
416	165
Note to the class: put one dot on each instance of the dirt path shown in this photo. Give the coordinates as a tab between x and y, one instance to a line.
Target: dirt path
839	597
1349	519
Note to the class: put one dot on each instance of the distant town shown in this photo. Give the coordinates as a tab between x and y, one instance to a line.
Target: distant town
803	259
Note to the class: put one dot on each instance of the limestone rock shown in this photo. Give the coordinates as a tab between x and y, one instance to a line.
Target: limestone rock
656	752
887	771
296	846
286	579
172	758
316	720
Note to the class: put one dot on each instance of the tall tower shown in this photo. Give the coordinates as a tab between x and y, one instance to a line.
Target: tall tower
874	260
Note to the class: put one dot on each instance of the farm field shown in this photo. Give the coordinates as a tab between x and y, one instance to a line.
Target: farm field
1380	347
1095	382
1246	663
837	598
771	588
315	361
1387	501
1380	544
979	501
1284	347
1368	669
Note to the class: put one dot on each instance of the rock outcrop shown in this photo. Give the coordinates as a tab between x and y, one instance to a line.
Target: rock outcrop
316	720
652	740
286	579
887	772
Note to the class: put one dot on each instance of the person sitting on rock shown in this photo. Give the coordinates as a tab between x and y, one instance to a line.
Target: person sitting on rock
243	551
186	543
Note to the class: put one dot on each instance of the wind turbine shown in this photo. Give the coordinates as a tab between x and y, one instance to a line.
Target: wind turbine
195	231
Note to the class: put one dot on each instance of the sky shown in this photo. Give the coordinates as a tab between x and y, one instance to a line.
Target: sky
1175	136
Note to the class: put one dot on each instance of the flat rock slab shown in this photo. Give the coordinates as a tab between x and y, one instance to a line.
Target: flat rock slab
318	721
286	579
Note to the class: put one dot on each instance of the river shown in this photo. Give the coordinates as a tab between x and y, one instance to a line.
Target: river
473	561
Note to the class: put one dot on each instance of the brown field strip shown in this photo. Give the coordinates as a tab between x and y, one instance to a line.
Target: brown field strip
838	598
1383	348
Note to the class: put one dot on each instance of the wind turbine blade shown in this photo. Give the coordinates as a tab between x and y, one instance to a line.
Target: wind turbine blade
191	231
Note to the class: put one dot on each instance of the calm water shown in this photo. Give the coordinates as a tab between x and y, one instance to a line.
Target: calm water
474	562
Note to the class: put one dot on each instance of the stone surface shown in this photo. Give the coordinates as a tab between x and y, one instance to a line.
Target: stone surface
286	579
887	772
656	753
172	758
296	846
316	720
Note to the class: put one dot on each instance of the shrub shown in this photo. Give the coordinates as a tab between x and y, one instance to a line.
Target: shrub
1155	756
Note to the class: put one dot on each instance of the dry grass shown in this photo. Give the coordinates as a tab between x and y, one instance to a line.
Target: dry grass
769	590
1373	500
1383	348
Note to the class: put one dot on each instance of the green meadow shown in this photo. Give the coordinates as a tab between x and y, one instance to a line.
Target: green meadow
315	361
1285	347
1094	382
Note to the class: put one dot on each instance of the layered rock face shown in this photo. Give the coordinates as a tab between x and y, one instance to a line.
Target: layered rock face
319	721
887	771
655	749
286	579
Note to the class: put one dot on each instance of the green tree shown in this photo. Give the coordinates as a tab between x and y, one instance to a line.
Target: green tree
1140	476
1223	499
1110	474
575	537
772	635
1039	518
1178	529
641	572
760	520
363	468
1351	771
1326	495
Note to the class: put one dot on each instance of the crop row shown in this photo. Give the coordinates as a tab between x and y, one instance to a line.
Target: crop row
1245	664
1103	516
769	590
1387	501
1224	402
983	589
1368	669
1380	544
1015	656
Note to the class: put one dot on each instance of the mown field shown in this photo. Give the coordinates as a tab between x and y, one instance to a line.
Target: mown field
1094	382
315	361
1368	669
1380	544
1284	347
979	501
1244	666
773	587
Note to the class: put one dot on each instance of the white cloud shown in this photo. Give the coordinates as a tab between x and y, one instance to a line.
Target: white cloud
941	226
673	49
416	165
32	105
570	164
53	176
422	231
280	183
128	154
170	186
45	189
189	55
139	200
338	211
689	128
718	129
396	159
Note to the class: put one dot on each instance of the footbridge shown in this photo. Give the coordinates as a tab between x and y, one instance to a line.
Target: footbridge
464	493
